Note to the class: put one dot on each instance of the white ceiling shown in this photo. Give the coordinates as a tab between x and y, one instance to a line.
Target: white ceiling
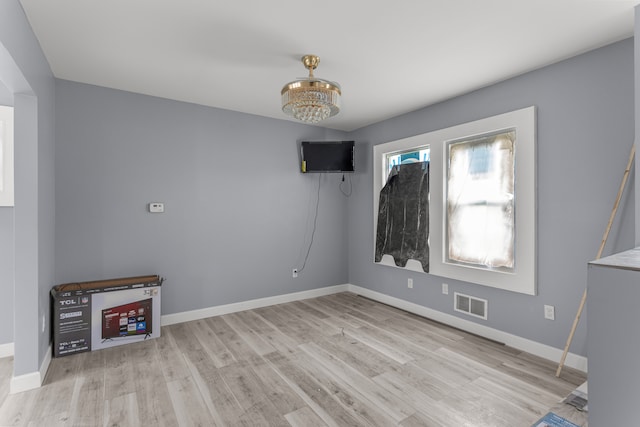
389	57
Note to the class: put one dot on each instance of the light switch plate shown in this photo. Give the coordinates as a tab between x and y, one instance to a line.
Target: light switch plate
549	312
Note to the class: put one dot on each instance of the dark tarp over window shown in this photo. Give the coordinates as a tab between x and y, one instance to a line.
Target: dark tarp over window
403	215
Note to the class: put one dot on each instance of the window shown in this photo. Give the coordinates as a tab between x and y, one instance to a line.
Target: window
6	156
417	154
480	220
482	206
408	250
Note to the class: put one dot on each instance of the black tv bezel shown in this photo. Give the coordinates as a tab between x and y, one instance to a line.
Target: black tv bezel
304	162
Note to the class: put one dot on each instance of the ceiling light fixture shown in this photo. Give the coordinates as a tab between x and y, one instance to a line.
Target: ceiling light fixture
311	100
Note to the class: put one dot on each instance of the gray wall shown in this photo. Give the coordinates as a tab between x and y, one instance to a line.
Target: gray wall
236	205
585	130
26	74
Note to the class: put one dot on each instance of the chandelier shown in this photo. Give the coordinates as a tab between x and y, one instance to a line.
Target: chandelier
311	100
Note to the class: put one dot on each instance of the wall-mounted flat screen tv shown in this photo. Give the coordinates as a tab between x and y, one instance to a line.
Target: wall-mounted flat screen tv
327	156
128	319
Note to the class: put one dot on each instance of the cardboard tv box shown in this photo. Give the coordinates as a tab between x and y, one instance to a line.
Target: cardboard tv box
105	313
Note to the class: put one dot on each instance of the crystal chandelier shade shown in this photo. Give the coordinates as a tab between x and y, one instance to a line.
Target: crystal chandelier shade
311	100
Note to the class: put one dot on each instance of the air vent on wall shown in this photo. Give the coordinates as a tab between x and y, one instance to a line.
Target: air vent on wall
472	306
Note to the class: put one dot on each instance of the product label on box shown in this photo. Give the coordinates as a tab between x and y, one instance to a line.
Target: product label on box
74	324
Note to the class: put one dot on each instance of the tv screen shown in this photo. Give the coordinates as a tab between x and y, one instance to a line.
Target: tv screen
127	319
327	156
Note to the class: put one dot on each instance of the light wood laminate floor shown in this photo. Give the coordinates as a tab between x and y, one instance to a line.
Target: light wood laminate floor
338	360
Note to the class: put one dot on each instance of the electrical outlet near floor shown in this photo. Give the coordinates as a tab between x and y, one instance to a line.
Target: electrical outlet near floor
445	289
549	312
294	273
410	283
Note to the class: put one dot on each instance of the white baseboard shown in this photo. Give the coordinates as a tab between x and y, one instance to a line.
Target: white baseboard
6	350
533	347
31	380
187	316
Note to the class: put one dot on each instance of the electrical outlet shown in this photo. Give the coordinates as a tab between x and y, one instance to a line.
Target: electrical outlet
445	288
156	207
294	273
549	312
410	283
44	323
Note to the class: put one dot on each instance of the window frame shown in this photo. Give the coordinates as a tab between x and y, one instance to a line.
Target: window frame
523	279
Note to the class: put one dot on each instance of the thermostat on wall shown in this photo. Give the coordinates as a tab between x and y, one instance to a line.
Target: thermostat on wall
156	207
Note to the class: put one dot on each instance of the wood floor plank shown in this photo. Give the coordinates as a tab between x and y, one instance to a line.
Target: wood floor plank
216	394
485	409
88	399
152	393
263	413
292	325
250	336
61	369
392	406
312	392
54	420
404	390
275	388
541	366
243	382
425	380
439	366
359	356
269	332
310	309
304	417
6	371
313	322
122	410
373	341
47	408
515	396
16	409
209	342
344	392
337	324
119	381
322	306
188	405
414	349
170	357
230	338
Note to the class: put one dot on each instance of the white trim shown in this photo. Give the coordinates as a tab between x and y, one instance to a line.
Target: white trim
31	380
533	347
6	350
186	316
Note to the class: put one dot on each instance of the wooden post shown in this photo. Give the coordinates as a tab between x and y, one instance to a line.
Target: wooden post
600	250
